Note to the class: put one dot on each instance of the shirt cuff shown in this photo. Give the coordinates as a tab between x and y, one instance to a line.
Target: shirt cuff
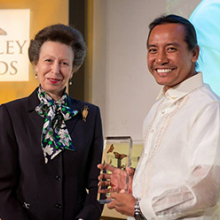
147	209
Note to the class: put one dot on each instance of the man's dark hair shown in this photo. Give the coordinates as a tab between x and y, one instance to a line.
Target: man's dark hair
190	33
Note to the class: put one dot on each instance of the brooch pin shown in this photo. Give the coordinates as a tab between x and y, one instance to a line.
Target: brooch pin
85	112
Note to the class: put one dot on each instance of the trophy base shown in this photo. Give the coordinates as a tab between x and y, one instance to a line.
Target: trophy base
104	201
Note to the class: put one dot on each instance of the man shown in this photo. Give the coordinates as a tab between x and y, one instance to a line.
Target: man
178	174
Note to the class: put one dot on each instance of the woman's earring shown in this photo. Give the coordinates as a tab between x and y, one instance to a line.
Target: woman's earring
35	76
70	82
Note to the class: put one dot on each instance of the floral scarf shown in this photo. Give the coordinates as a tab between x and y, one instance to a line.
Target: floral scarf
55	136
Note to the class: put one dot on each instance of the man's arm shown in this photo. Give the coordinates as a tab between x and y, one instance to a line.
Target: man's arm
202	188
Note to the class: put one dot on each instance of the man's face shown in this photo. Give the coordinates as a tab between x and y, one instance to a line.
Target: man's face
169	59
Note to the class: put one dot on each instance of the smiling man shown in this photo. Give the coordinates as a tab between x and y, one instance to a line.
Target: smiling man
170	60
178	174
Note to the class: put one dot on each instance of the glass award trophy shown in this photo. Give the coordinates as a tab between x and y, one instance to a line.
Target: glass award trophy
117	153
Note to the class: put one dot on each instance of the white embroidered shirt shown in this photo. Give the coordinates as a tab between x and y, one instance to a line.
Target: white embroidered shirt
178	175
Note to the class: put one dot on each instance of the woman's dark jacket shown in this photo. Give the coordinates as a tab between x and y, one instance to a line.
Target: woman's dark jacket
63	189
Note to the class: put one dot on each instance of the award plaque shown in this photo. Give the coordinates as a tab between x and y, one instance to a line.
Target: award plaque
117	153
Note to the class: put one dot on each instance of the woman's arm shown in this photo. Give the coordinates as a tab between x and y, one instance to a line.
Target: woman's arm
92	206
10	207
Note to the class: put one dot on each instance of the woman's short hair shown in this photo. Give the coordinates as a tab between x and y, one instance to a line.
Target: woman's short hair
63	34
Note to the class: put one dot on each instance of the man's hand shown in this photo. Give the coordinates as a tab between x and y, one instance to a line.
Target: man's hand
123	203
118	179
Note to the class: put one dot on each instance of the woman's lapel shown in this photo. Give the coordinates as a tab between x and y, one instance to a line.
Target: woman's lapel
32	102
74	105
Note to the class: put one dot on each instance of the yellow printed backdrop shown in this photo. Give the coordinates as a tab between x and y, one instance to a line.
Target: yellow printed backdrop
42	13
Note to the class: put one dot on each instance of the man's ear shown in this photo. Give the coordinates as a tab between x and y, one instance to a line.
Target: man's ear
195	53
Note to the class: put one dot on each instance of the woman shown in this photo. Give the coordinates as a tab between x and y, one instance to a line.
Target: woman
50	144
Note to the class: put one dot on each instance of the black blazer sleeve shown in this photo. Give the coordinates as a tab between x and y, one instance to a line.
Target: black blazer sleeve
10	207
91	207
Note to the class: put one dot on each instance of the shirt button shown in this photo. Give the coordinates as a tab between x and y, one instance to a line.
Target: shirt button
152	130
58	206
163	111
173	97
58	178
